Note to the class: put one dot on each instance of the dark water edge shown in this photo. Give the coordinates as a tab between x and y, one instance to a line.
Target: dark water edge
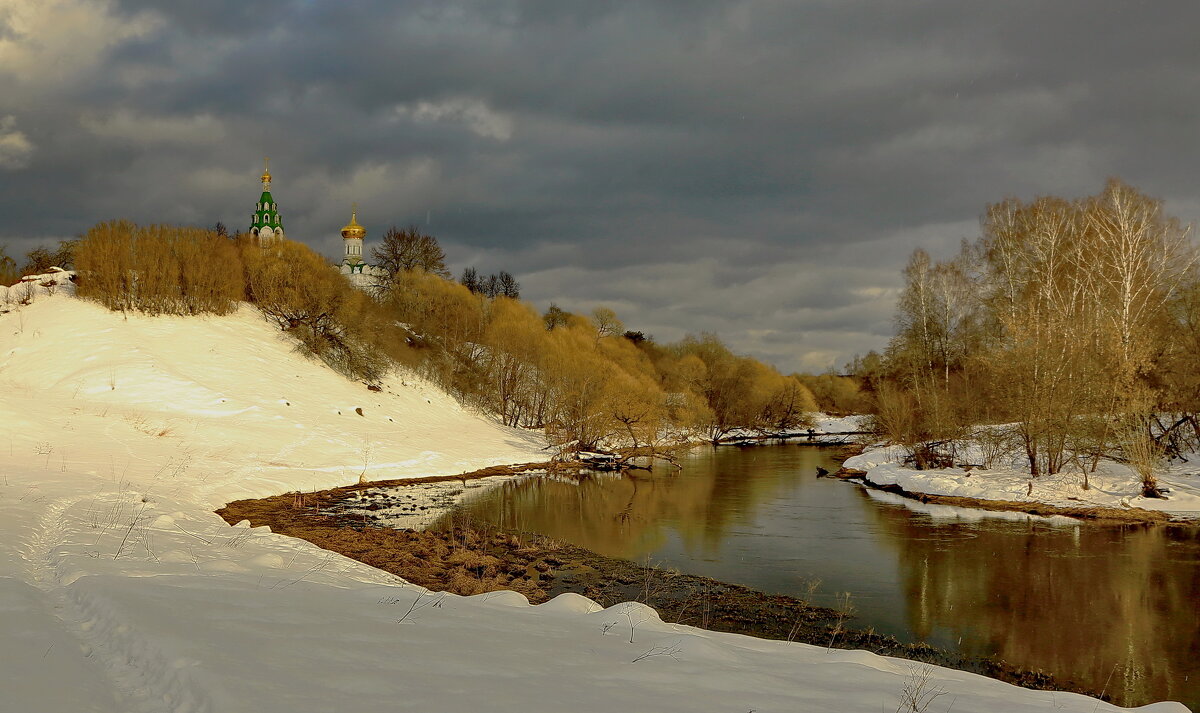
720	606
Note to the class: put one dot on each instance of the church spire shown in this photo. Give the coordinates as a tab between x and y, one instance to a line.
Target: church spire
265	223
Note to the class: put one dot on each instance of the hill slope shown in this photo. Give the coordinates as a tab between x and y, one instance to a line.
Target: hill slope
229	398
120	590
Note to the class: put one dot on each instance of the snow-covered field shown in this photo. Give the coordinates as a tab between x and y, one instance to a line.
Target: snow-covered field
1113	485
121	591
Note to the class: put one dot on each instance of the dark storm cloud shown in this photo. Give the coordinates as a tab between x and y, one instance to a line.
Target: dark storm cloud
758	169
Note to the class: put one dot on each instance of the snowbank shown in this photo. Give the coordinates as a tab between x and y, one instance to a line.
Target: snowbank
121	591
826	429
838	424
31	287
1113	485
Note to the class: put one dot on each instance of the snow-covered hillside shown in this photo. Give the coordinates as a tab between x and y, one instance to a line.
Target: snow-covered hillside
120	590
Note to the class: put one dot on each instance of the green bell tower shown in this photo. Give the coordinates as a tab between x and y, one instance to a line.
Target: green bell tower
265	223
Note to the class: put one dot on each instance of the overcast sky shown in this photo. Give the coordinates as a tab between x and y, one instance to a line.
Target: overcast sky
757	169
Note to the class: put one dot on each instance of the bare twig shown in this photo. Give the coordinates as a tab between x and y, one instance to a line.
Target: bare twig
672	651
420	603
918	691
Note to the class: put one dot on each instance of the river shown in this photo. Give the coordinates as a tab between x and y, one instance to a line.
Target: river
1114	607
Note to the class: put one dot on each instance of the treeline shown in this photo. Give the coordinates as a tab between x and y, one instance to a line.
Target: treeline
581	378
838	394
585	380
37	261
410	249
501	284
1075	321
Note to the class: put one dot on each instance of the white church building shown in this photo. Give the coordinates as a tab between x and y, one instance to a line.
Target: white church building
361	274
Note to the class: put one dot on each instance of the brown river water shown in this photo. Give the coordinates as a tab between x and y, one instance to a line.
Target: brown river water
1116	607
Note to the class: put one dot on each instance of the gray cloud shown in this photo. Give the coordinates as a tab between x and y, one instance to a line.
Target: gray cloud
760	169
16	150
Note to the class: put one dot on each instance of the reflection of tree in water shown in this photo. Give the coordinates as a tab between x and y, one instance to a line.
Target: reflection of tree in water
627	516
1100	604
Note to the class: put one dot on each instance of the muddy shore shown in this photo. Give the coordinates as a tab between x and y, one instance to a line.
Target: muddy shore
469	560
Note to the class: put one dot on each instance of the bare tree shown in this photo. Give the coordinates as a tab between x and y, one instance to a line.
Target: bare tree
1060	316
409	249
555	316
1040	358
507	286
607	323
41	259
470	279
37	261
1136	264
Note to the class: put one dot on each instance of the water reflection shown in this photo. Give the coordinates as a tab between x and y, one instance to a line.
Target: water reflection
614	515
1113	607
1113	604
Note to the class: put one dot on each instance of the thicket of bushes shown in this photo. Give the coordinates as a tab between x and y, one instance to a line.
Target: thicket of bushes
579	378
159	269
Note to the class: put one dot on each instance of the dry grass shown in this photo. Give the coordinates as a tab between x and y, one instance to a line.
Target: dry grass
462	561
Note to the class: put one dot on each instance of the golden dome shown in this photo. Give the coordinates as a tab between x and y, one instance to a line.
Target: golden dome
353	229
266	175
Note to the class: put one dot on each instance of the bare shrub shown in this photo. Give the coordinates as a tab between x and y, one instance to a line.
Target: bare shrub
155	267
1145	455
210	272
918	690
8	268
899	419
104	260
998	445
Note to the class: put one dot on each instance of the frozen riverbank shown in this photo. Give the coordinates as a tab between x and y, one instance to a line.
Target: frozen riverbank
1112	492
